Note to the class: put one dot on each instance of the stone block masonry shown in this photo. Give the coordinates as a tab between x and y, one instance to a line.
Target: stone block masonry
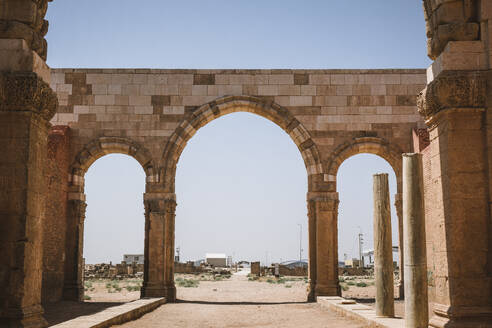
147	106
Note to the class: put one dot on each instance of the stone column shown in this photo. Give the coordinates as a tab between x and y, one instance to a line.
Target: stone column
457	199
312	267
383	252
324	212
401	255
26	105
73	288
159	246
416	303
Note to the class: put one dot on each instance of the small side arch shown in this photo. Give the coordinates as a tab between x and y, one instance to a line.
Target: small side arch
229	104
366	145
111	145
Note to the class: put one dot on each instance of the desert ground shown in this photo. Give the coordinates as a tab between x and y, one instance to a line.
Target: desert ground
230	300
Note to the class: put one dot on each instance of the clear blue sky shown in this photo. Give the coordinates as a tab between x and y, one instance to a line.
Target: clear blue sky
236	193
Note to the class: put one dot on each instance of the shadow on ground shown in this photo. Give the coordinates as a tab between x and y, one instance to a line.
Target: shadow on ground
63	311
236	303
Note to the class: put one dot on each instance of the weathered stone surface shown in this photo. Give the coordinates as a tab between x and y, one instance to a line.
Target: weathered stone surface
27	92
23	140
383	254
24	19
453	89
159	246
54	227
415	268
450	20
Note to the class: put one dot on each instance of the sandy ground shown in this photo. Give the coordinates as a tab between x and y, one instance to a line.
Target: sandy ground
104	290
238	302
366	295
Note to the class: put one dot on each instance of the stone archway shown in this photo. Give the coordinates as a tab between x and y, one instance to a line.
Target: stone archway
390	153
225	105
161	205
76	204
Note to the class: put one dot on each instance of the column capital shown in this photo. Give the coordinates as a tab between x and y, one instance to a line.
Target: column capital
160	202
159	196
452	90
20	92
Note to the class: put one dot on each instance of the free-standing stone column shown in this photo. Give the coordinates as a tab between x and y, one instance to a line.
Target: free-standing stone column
416	307
401	256
159	246
383	253
73	289
324	213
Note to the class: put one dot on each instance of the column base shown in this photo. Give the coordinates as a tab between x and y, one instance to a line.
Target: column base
462	317
327	290
169	292
73	293
31	317
311	297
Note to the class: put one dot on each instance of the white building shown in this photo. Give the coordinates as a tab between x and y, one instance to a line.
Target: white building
216	260
130	258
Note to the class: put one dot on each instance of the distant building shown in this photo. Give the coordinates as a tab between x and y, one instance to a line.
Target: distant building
216	260
295	263
353	263
130	258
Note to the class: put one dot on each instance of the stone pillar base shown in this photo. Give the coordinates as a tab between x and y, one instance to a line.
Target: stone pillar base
24	318
461	317
73	293
328	290
311	297
442	322
169	292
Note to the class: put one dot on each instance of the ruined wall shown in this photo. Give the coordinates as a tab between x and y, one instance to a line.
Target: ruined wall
188	267
54	224
295	271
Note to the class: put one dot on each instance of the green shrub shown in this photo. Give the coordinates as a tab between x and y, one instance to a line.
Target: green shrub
351	283
87	298
288	286
344	287
361	284
187	283
281	281
270	281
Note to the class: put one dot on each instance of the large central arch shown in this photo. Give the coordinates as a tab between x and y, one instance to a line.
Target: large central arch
230	104
164	202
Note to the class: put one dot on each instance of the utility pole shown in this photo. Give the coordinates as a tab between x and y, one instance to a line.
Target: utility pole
300	242
361	256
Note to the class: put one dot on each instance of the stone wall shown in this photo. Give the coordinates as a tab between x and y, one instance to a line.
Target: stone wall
147	107
188	267
295	271
54	225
